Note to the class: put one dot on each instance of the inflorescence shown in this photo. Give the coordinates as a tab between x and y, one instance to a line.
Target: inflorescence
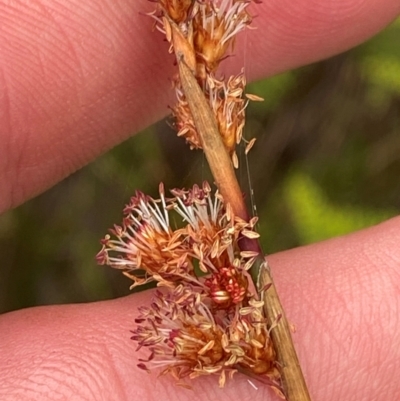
206	30
205	318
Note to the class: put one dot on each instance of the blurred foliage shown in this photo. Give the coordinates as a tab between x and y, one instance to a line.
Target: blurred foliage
326	162
315	218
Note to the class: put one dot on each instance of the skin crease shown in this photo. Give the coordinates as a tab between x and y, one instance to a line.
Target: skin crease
79	77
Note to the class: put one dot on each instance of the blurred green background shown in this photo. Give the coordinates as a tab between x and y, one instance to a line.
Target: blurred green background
326	162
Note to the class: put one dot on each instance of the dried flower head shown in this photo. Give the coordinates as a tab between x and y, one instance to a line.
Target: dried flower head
144	246
215	26
206	321
187	339
202	31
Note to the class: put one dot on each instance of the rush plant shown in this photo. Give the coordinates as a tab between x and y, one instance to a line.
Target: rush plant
216	311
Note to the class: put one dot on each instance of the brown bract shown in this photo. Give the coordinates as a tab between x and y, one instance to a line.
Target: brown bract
177	10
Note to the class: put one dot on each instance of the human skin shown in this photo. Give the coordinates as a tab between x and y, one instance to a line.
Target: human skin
79	77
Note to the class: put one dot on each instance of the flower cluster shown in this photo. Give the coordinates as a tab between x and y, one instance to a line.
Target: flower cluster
205	319
205	30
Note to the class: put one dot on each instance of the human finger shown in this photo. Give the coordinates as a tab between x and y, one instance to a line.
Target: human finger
341	295
80	77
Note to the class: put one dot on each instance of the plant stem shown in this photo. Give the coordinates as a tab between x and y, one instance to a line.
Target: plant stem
214	150
293	382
